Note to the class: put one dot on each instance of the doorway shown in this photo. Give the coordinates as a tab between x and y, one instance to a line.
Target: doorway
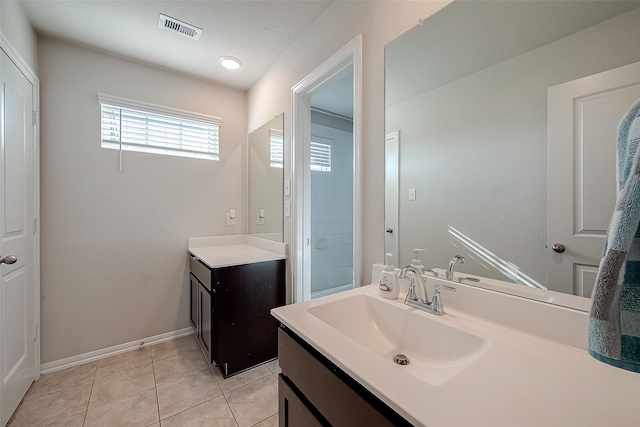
326	203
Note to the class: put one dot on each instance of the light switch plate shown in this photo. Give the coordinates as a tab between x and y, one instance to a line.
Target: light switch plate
412	194
260	218
287	208
287	187
231	220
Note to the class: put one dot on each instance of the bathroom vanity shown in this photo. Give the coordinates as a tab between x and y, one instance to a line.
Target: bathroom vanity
491	360
234	282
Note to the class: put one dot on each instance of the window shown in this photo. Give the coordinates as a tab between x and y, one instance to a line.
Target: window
139	126
320	157
276	150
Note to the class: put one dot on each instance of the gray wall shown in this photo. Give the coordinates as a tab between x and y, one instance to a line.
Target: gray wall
379	23
114	244
17	30
475	150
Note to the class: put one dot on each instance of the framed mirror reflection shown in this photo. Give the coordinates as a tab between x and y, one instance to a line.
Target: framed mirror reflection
265	180
504	116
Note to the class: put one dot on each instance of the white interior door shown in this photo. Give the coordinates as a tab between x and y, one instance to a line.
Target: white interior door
391	189
583	118
17	213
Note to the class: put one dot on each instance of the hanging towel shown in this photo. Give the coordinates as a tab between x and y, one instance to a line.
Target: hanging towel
614	321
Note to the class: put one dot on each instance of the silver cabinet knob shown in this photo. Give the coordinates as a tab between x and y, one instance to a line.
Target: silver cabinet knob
9	259
389	230
558	247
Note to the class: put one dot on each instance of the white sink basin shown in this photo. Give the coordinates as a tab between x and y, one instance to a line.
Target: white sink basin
437	352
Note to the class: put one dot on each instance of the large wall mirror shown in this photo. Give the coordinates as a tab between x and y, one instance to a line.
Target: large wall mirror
265	169
501	130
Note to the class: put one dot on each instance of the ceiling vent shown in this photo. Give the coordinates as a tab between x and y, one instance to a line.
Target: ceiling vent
171	24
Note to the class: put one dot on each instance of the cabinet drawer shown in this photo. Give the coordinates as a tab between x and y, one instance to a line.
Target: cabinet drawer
201	271
339	398
292	410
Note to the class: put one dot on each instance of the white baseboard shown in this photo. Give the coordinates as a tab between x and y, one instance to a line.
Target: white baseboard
69	362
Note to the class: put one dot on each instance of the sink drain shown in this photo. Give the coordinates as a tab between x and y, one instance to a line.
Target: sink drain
401	359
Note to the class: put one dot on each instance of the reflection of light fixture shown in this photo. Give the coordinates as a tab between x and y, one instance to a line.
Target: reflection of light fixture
230	62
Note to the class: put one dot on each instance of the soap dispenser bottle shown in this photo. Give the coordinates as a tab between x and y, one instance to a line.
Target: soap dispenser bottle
388	285
416	261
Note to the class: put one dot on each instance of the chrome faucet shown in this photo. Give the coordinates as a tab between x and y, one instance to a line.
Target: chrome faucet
412	294
452	265
412	300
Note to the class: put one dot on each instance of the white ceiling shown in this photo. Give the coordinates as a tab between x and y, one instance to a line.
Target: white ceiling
336	97
257	32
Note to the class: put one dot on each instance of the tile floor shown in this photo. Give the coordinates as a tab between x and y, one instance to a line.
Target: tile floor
165	385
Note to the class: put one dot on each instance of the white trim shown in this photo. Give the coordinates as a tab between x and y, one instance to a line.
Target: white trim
134	104
347	57
69	362
25	69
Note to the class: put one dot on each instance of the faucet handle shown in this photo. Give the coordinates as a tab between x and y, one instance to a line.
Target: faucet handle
438	286
436	303
412	290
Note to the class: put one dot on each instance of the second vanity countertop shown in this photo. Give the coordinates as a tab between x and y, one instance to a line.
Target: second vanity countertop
521	380
225	251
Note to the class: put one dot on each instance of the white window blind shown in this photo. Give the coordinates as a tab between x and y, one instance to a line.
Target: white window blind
139	126
320	157
276	150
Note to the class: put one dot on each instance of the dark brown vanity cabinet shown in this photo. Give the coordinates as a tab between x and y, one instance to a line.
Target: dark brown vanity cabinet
312	391
230	312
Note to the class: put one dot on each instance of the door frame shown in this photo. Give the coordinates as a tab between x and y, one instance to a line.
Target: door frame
392	198
31	76
347	57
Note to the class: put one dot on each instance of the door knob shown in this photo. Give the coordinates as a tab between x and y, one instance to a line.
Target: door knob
9	259
389	230
558	247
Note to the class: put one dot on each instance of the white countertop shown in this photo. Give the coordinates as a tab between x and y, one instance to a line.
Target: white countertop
225	251
521	380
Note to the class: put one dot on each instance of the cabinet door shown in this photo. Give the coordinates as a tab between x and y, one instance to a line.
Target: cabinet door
292	410
205	320
195	292
245	332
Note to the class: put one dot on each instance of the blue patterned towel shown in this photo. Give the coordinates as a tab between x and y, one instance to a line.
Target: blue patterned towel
614	322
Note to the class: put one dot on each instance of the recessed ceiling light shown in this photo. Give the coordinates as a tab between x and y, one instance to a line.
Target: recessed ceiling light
230	62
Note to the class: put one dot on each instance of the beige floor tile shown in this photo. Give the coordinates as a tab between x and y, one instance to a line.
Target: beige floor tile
123	362
74	421
214	412
178	366
186	392
127	383
43	410
254	402
137	410
241	379
274	366
272	421
59	380
174	347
